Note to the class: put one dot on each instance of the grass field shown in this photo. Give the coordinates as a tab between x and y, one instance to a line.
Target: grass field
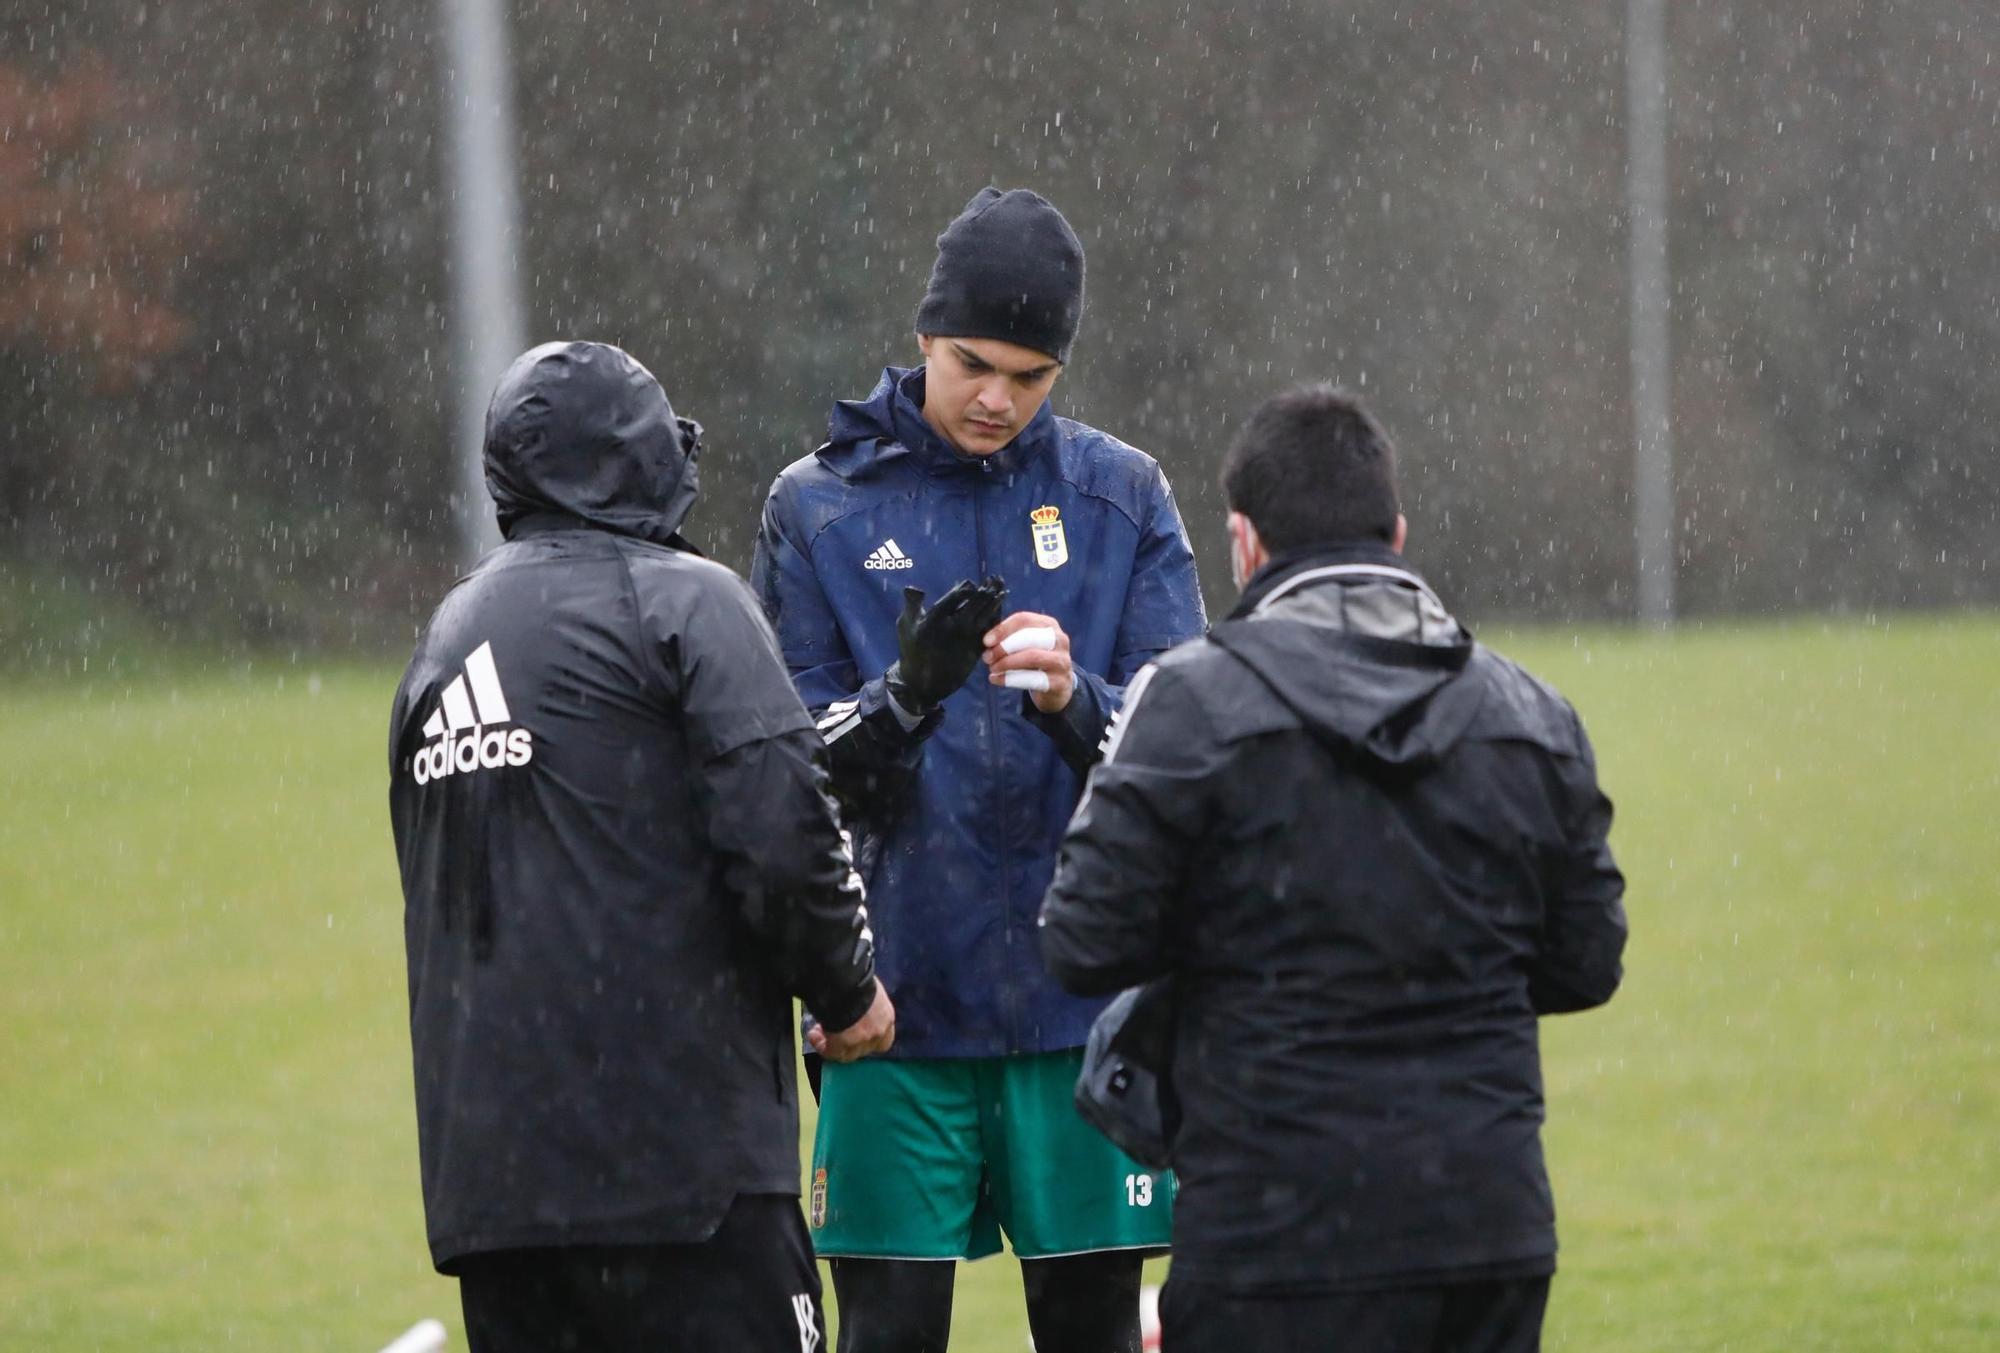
1781	1135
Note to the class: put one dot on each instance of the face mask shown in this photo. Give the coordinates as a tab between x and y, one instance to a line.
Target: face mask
1239	557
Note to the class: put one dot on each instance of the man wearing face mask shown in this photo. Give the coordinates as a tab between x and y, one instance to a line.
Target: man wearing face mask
1055	565
620	861
1370	853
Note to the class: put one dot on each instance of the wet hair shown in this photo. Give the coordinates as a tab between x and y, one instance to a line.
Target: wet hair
1312	467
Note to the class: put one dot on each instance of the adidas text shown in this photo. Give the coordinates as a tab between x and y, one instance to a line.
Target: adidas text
475	749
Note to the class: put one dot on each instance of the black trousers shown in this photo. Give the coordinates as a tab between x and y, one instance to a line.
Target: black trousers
1479	1317
750	1288
1081	1303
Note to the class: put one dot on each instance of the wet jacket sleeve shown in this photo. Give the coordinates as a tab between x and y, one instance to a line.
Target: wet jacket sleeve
1110	912
771	818
873	748
1163	607
1579	964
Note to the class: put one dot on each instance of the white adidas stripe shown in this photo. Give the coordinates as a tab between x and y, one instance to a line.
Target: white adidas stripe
837	711
802	1311
486	686
455	710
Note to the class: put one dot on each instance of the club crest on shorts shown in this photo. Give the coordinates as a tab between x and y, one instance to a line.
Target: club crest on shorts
1051	549
816	1208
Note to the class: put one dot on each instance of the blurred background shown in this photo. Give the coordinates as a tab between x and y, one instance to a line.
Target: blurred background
1737	318
227	364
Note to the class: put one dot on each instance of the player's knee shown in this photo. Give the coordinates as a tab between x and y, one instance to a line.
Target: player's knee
1084	1303
893	1306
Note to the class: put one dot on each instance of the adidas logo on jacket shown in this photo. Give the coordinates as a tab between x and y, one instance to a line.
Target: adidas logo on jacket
462	725
888	555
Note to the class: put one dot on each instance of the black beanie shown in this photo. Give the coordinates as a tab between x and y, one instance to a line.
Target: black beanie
1008	268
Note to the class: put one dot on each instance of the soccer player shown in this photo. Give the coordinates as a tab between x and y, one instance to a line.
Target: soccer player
619	861
1369	852
958	734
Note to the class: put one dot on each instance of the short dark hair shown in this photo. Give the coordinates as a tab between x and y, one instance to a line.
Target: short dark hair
1312	467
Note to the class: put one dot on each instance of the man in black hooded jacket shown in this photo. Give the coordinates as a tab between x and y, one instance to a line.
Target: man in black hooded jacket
1369	852
620	861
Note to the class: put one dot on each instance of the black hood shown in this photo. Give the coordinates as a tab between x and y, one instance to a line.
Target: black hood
1397	704
582	430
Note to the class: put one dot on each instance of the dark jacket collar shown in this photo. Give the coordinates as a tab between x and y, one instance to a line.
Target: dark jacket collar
1397	703
893	414
546	523
1284	568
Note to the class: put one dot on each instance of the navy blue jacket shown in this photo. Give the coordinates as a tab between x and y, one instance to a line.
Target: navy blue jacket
958	819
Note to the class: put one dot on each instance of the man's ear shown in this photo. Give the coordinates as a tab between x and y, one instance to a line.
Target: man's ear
1402	536
924	346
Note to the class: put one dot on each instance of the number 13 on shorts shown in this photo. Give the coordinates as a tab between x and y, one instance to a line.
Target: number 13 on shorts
1138	1190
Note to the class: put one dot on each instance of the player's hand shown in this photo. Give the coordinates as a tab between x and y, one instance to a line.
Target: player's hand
1039	662
873	1032
937	648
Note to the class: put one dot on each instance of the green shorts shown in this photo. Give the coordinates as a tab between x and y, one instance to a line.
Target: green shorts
933	1159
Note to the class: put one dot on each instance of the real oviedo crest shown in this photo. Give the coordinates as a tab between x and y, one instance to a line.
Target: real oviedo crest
1051	550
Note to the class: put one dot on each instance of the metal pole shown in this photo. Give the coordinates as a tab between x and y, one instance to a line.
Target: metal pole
1652	390
487	313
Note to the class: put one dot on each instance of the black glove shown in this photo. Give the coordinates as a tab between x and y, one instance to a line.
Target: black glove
940	646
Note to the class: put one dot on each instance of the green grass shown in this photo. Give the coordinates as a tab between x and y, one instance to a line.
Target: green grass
1780	1135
